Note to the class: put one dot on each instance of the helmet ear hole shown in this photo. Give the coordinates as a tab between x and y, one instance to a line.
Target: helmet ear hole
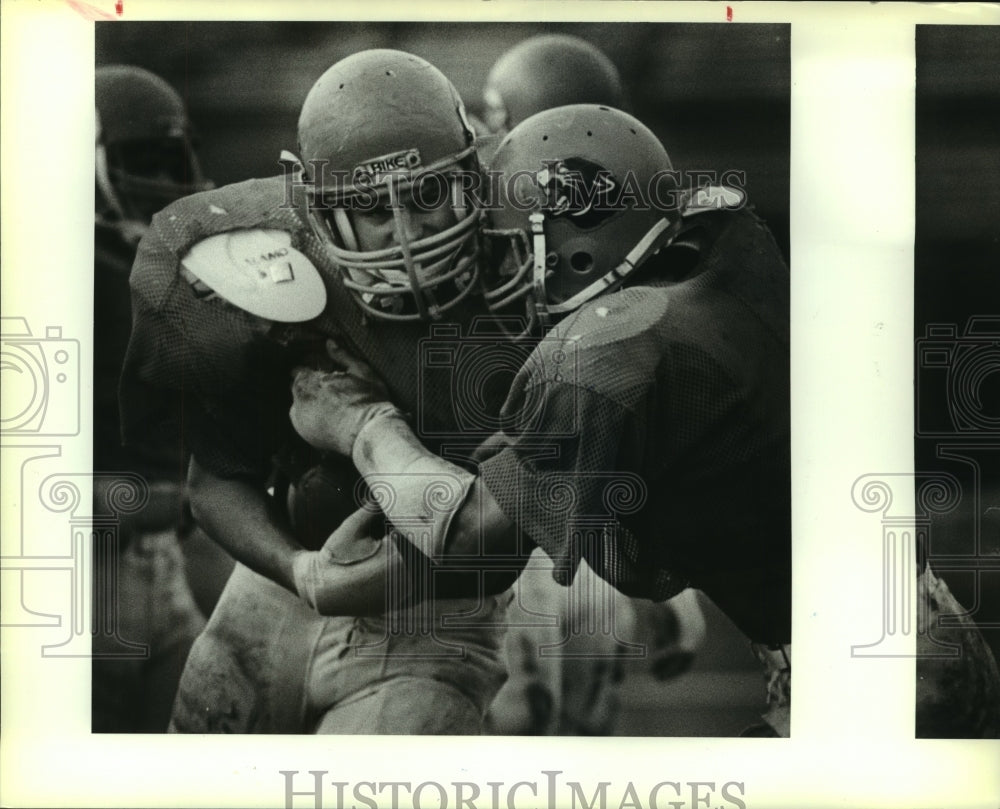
581	262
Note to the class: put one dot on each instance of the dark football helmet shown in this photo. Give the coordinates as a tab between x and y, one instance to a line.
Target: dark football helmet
145	158
551	70
375	130
585	197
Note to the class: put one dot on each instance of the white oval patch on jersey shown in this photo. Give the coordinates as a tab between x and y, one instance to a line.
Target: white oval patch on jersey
260	272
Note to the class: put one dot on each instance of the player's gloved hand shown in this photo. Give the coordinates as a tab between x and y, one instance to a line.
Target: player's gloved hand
330	408
349	574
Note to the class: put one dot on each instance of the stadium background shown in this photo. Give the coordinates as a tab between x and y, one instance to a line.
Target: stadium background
717	95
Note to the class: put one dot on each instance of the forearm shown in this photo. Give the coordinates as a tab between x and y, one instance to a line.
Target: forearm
452	509
419	492
238	516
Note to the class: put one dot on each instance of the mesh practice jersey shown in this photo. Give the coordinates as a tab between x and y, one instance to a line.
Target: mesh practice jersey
202	370
653	434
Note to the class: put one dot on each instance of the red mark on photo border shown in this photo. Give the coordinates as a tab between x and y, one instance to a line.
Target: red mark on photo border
119	7
729	13
87	11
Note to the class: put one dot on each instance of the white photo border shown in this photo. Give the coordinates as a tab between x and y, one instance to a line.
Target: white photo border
852	342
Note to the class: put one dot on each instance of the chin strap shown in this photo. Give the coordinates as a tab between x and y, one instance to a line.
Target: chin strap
661	235
540	309
656	238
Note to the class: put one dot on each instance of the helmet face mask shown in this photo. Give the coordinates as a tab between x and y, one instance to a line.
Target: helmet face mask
394	280
578	208
150	174
399	177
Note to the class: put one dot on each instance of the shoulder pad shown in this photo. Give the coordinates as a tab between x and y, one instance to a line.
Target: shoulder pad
714	198
259	271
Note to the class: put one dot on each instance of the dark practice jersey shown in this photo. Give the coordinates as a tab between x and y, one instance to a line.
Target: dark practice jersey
220	377
655	440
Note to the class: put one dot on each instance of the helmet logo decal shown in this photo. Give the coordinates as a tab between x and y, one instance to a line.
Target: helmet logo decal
378	168
577	189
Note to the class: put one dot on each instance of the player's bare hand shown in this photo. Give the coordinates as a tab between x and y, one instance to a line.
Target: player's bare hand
331	407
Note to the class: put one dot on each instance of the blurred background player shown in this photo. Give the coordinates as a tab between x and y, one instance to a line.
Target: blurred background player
575	689
145	159
660	457
545	71
232	290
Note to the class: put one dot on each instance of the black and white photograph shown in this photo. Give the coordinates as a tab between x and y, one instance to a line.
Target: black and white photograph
551	374
957	379
615	476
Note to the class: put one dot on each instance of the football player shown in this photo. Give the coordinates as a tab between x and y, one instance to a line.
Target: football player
546	71
664	383
648	433
234	288
578	690
144	160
